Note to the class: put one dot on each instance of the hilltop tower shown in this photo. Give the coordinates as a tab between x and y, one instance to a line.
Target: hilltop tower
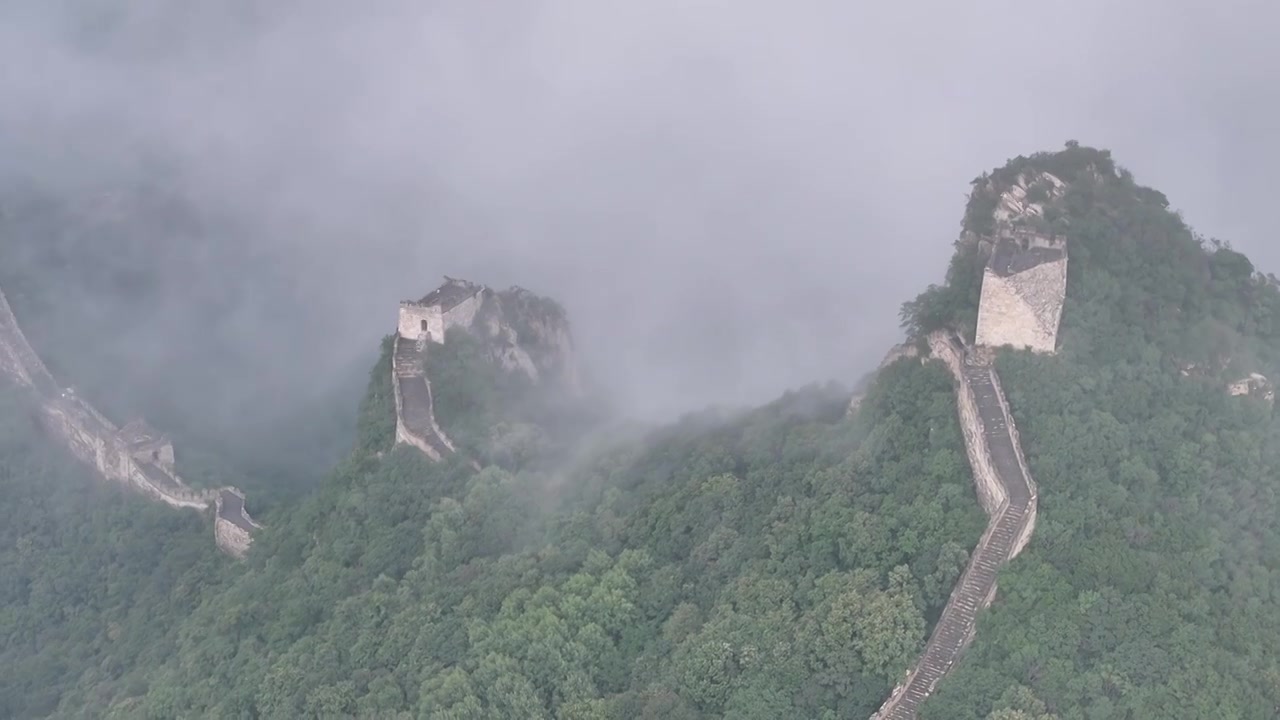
516	330
452	304
1024	284
1024	287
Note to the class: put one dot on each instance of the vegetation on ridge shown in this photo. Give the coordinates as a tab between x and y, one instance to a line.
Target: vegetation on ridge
1152	586
787	562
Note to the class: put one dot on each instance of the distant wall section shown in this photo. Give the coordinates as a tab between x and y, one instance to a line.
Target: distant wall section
135	456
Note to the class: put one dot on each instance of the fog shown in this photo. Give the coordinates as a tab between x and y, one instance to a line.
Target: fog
730	198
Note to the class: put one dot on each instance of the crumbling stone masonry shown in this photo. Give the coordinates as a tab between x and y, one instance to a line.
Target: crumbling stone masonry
1024	288
453	304
1007	494
232	526
135	456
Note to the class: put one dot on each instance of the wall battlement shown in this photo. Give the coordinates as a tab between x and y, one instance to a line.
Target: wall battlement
1009	497
135	456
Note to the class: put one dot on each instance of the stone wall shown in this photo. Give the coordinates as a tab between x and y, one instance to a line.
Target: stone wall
116	455
517	330
1013	205
991	492
464	313
1029	525
94	441
1023	310
231	538
17	358
991	443
415	408
232	526
417	320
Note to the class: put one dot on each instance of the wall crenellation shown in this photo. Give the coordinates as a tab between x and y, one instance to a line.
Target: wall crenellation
135	456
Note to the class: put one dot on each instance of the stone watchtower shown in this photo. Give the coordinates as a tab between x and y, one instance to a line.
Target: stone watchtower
452	304
1024	287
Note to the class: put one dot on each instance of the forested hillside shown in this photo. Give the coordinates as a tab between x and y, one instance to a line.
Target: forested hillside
94	582
782	562
1152	586
785	562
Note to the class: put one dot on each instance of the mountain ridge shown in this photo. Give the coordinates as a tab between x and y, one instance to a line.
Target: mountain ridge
787	561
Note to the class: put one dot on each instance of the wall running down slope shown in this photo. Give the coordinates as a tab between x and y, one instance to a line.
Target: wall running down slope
519	331
1007	494
415	410
134	456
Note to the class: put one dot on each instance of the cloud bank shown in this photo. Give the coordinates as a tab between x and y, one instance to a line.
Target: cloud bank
730	198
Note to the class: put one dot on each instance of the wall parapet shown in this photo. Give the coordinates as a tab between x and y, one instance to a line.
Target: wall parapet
118	455
1008	495
416	423
991	492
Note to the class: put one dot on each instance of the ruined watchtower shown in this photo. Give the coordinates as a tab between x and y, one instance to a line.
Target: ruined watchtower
452	304
1024	287
1024	284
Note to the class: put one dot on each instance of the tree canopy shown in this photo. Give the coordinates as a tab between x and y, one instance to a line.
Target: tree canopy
787	561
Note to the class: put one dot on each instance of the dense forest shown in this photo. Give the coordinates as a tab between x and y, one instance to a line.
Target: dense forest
782	562
1152	586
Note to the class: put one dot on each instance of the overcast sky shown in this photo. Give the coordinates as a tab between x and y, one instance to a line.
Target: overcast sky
731	198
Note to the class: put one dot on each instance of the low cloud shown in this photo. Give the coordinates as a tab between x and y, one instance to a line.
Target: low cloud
730	198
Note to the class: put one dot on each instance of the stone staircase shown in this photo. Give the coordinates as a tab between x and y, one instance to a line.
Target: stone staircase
993	446
407	361
415	413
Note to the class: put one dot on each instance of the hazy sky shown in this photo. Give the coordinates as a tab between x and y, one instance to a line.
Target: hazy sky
730	198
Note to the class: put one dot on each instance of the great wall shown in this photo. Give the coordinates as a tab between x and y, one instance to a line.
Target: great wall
1021	302
1007	494
1023	291
135	456
489	314
142	460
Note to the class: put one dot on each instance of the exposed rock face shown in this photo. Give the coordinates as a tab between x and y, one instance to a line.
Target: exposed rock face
1014	203
136	456
531	333
521	332
1024	285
